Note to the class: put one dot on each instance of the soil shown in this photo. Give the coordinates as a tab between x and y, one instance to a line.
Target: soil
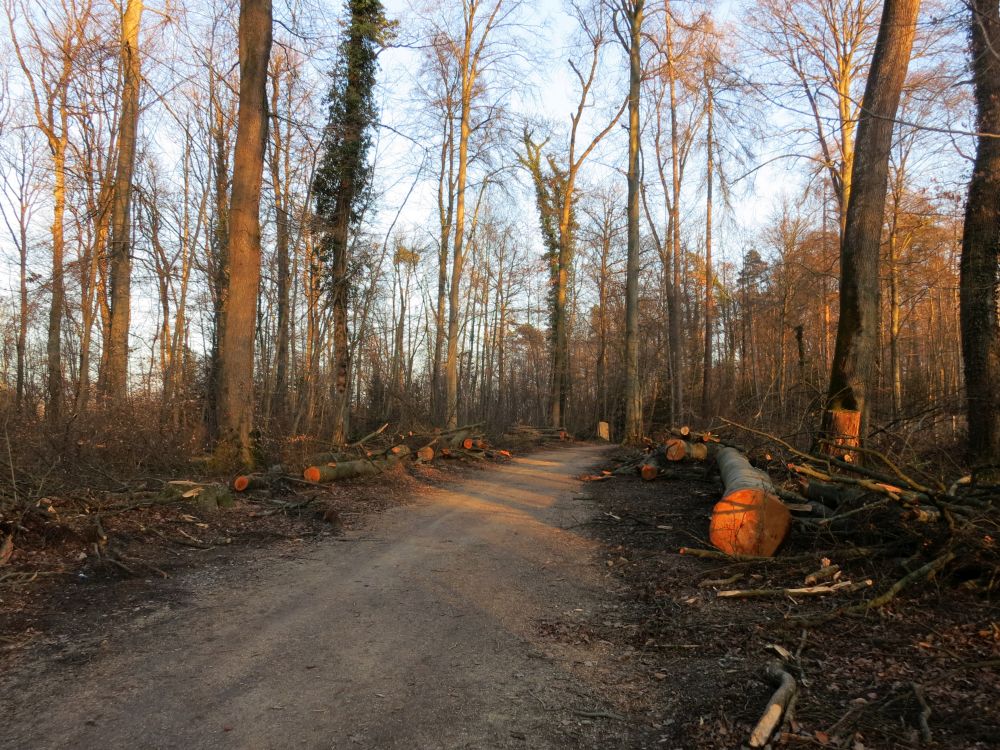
508	607
703	657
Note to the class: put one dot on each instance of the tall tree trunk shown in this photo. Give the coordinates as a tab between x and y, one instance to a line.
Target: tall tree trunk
676	351
706	377
633	384
280	156
852	373
220	250
446	211
236	354
120	255
980	266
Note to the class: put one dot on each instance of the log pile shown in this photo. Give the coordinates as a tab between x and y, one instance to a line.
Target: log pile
525	435
356	460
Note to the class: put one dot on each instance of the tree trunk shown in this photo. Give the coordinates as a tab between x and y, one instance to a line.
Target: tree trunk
120	252
236	353
980	266
280	163
853	369
633	384
706	378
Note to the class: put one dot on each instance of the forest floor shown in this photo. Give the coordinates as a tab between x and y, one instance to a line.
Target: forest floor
507	607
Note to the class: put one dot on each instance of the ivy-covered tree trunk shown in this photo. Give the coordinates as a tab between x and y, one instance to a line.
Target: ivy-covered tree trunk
341	185
980	269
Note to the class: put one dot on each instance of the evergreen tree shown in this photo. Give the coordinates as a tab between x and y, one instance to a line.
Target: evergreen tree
343	181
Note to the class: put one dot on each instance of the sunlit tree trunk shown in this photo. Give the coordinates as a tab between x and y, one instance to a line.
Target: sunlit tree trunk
115	381
853	370
236	353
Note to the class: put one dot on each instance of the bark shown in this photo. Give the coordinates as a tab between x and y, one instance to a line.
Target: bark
120	251
749	519
236	353
980	265
706	379
280	182
853	370
469	61
633	11
674	299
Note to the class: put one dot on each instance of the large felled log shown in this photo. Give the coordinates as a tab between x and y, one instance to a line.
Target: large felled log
336	457
749	519
343	470
362	467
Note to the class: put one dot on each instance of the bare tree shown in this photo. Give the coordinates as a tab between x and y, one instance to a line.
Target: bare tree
852	372
47	61
115	381
555	191
628	17
236	353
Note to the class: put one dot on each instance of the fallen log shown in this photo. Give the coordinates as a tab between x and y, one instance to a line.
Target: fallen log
653	466
679	450
343	470
362	467
749	519
247	482
334	457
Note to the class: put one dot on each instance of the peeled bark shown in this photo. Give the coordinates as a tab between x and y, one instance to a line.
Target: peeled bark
980	266
852	375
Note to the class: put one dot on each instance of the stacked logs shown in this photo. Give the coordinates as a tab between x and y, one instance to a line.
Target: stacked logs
750	519
464	443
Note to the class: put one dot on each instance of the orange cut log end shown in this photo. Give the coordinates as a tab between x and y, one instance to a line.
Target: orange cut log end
676	449
311	474
426	453
241	483
749	522
648	472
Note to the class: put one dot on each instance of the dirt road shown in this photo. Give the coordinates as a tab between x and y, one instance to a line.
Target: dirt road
420	632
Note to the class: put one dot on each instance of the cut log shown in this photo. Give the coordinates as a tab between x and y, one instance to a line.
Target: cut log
328	458
247	482
654	465
425	454
679	450
749	519
343	470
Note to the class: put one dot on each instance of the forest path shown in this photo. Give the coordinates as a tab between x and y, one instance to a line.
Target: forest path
420	632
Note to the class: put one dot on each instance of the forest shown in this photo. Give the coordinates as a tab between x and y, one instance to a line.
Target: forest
495	373
232	227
